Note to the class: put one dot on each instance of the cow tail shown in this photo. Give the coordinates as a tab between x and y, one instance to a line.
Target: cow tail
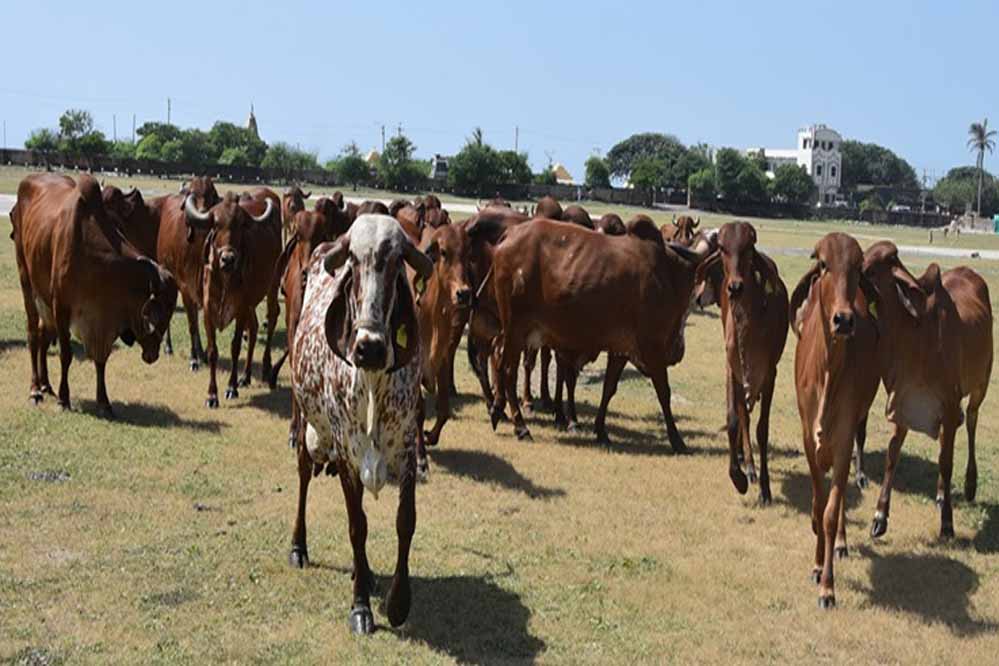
13	220
473	354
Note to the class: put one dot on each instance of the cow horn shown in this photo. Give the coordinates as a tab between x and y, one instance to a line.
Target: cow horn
195	215
267	212
674	219
307	195
420	262
697	223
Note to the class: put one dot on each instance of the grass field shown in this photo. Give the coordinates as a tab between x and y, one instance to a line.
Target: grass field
163	537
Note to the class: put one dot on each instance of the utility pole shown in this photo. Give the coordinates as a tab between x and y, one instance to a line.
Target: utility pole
133	128
383	138
516	139
168	110
114	124
4	146
399	130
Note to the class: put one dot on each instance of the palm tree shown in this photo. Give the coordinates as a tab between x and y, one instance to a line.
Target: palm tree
980	141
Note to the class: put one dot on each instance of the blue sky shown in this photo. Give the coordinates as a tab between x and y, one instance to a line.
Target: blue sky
575	77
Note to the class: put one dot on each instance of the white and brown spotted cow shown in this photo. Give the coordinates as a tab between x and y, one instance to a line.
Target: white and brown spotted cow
356	377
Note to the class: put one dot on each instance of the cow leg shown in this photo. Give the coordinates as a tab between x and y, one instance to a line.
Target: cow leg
360	618
397	602
35	334
880	524
231	390
559	406
273	311
530	360
168	343
747	443
508	389
571	375
250	345
42	361
661	381
841	550
211	336
299	555
103	403
858	454
615	366
197	352
443	396
65	355
971	473
763	437
830	523
818	504
946	462
546	361
735	399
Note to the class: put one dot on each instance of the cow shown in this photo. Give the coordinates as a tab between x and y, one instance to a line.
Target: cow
443	310
548	208
292	202
338	200
80	276
239	257
577	215
753	302
611	224
935	350
356	375
369	207
681	231
835	376
548	279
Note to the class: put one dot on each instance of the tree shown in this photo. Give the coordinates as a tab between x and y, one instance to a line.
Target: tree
751	184
597	172
149	148
959	189
123	150
871	164
792	184
235	156
546	177
224	136
351	167
197	148
701	186
980	140
75	124
649	173
476	168
623	157
728	166
172	151
396	168
689	163
165	131
77	135
287	159
515	167
43	141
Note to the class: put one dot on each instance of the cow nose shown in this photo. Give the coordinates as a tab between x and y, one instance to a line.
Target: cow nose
370	353
463	297
227	260
843	323
734	288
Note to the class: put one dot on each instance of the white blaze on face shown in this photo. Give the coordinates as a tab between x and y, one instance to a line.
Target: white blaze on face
371	237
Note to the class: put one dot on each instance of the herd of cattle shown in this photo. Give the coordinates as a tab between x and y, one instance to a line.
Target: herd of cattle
378	298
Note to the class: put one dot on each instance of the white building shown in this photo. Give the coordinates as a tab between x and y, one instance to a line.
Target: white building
818	150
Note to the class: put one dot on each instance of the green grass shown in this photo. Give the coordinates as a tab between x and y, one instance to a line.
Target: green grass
167	542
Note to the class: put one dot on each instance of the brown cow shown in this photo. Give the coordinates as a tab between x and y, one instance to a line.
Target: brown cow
292	202
370	207
78	274
681	231
239	256
935	350
338	200
836	377
548	208
160	230
549	278
753	302
577	215
611	224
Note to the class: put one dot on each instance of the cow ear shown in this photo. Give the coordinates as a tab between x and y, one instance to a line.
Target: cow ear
911	296
766	275
433	251
800	295
403	325
707	265
339	324
873	299
128	337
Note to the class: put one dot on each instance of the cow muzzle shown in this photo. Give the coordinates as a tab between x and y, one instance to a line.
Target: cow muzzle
843	323
463	297
370	350
227	260
151	355
735	288
374	470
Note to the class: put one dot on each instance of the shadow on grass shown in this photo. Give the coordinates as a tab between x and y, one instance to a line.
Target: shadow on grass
11	345
150	416
796	489
276	401
933	587
987	538
481	466
913	474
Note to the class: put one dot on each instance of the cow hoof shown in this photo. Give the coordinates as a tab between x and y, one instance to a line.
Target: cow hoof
738	480
766	499
603	438
946	532
970	488
561	424
842	552
397	603
64	405
244	382
292	443
422	470
495	416
168	350
231	393
195	366
35	398
815	576
523	434
47	388
362	622
862	481
751	475
678	446
298	557
827	602
212	402
429	439
880	526
940	501
573	427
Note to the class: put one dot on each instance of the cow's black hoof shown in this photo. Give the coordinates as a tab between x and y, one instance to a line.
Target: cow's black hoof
429	439
168	350
573	427
970	488
298	557
842	552
495	416
678	446
603	438
862	481
292	442
879	527
244	382
738	480
523	434
35	398
940	501
195	366
47	388
766	499
397	603
361	620
212	402
231	393
64	405
751	475
422	469
561	424
827	602
815	576
946	532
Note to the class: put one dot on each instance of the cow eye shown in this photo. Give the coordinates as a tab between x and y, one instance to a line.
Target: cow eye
822	266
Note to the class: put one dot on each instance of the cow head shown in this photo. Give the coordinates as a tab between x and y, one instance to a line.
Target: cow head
232	223
898	289
611	224
436	217
448	249
200	197
337	200
294	200
149	323
735	267
832	285
371	322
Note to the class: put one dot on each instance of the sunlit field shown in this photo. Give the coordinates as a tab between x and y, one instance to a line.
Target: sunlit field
163	537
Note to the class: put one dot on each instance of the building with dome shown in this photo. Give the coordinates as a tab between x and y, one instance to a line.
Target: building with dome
818	150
